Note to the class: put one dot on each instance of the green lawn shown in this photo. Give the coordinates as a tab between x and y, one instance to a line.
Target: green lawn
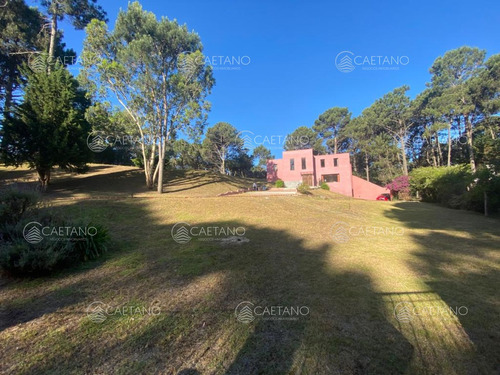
420	256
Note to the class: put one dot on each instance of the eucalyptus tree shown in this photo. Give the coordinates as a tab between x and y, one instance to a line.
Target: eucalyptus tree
154	69
329	126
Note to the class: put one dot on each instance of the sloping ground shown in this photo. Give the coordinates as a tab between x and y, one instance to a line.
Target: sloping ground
383	287
122	181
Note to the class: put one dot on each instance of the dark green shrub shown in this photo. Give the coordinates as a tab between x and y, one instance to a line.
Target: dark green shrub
55	250
280	184
14	203
444	185
324	186
303	189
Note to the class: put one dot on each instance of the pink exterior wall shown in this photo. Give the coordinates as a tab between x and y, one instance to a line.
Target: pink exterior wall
291	178
366	190
343	169
348	184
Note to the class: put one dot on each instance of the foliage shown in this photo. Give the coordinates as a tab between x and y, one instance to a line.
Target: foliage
303	188
324	186
222	142
49	128
400	187
280	184
262	154
304	138
14	203
444	185
330	124
53	252
154	68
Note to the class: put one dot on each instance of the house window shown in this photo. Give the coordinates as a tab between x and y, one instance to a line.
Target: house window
292	164
335	162
303	163
331	177
322	162
275	167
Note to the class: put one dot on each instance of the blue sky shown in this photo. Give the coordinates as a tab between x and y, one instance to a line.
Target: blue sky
289	48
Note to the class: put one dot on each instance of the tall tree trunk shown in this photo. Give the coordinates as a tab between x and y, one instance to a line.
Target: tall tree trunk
335	145
403	155
9	91
161	164
439	152
43	177
468	130
449	145
53	33
367	168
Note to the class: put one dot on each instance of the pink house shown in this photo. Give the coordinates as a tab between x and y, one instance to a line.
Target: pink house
302	166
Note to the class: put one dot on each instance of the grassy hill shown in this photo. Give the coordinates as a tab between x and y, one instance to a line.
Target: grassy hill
122	181
352	263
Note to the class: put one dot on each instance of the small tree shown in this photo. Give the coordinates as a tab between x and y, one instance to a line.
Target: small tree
49	128
262	154
220	144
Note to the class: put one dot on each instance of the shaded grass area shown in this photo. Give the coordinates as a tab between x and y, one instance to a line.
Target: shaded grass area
437	258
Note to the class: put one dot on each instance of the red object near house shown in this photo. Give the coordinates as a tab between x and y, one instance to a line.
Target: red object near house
302	166
384	197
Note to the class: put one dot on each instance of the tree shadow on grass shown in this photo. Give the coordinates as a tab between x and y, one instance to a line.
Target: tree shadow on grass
199	284
462	268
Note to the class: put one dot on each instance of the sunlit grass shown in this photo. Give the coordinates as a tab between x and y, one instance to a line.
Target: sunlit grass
436	259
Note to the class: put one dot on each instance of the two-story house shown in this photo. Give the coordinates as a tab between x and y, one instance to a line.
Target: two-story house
302	166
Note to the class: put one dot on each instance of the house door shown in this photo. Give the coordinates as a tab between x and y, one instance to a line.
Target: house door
307	179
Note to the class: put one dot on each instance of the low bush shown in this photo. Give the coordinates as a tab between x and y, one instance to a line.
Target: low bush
303	188
35	241
280	184
14	203
324	186
457	187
